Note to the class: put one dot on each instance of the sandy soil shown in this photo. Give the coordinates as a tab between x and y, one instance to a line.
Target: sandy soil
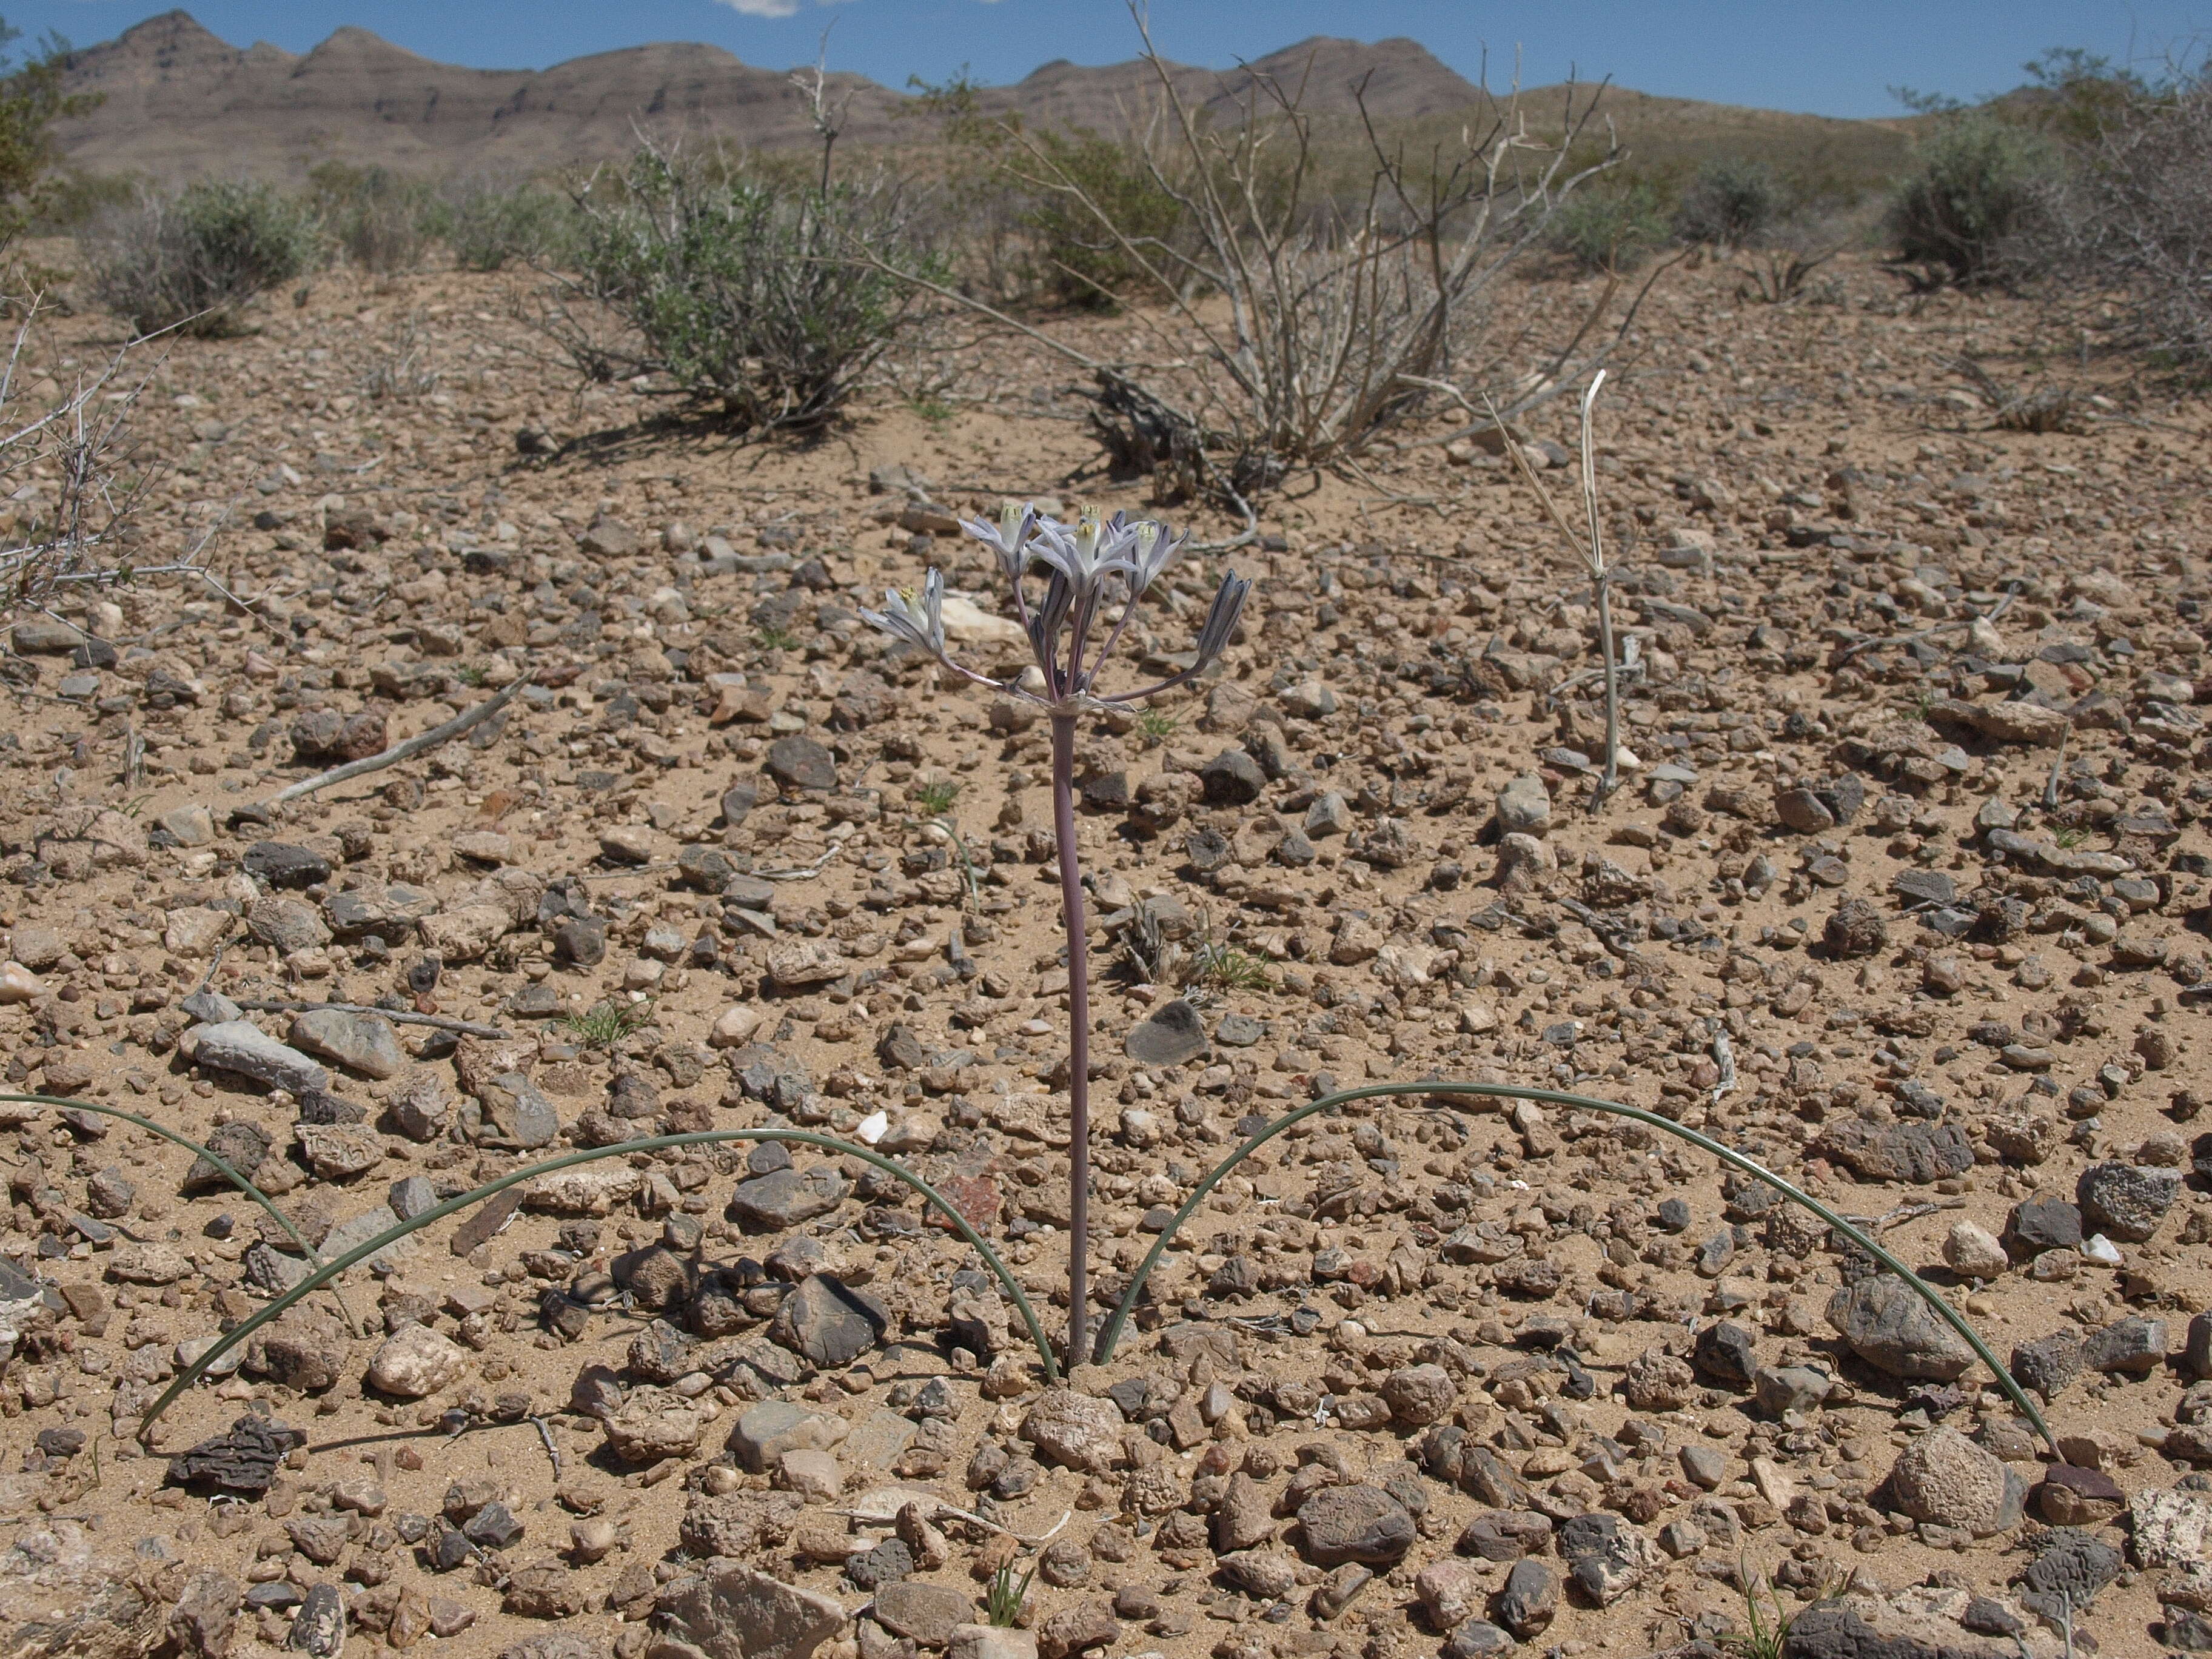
1891	891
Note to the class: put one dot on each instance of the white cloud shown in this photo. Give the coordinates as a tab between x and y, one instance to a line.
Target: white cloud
764	8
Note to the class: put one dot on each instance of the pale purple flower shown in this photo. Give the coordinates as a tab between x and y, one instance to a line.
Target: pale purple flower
1088	567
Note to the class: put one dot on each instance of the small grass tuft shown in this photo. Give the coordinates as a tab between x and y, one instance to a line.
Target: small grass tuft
603	1025
1002	1603
1157	727
1766	1621
776	639
936	797
1225	967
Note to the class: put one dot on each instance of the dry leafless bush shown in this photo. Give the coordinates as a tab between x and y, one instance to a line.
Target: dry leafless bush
70	474
2141	215
1292	323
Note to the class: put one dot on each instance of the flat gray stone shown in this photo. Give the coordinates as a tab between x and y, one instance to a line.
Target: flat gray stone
764	1432
365	1043
789	1198
516	1113
241	1047
926	1613
1173	1035
742	1614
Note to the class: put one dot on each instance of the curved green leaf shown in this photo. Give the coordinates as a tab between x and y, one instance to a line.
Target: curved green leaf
245	1328
221	1168
1112	1333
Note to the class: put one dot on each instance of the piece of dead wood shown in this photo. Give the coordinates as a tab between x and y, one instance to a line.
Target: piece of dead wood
398	1016
407	749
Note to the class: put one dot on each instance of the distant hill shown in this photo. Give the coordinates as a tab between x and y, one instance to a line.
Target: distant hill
178	103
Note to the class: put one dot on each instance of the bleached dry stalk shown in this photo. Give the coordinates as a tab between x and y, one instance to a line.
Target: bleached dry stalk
1588	547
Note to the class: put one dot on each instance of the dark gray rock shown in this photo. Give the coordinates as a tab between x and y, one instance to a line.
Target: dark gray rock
494	1526
244	1459
280	864
800	763
1529	1600
2124	1201
579	941
1232	778
1727	1351
2048	1364
2135	1346
1893	1330
1173	1035
2040	1224
829	1322
886	1564
787	1197
1360	1523
412	1197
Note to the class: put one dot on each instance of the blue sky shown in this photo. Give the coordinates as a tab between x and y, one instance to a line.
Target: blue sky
1829	58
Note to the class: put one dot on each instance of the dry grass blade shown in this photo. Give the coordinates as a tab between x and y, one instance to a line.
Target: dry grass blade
1589	546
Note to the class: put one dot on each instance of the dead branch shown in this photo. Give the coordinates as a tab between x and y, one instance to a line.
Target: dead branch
413	746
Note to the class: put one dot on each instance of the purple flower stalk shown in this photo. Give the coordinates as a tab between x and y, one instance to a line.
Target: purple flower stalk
1090	569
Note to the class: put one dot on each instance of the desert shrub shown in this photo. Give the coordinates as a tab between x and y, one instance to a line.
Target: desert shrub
1612	230
1731	201
1087	175
488	227
31	100
197	259
67	203
379	221
740	286
1978	193
2140	215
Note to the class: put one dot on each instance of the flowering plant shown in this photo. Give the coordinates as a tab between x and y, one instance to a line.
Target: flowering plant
1090	569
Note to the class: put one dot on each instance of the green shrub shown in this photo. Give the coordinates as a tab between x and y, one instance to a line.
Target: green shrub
31	100
1978	193
740	286
196	259
1731	201
1611	230
1086	265
488	227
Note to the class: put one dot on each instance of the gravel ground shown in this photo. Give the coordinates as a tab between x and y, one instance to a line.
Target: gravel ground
1904	894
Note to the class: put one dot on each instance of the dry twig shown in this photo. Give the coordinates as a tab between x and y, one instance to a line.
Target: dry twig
399	751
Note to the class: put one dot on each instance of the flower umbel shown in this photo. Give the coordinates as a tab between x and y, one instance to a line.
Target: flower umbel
922	624
1088	568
